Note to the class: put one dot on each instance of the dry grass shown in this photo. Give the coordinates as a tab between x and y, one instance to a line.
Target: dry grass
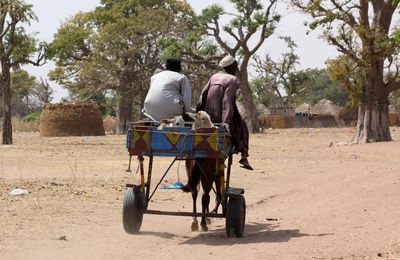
21	126
110	124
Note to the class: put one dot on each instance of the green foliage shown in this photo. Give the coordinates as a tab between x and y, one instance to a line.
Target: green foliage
396	36
17	46
319	86
348	75
22	83
212	12
32	117
361	31
120	44
27	93
22	86
307	86
262	94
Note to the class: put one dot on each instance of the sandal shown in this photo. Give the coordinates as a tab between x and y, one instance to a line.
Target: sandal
245	164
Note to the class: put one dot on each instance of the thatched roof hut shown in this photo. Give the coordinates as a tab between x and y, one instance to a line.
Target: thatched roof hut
325	107
303	108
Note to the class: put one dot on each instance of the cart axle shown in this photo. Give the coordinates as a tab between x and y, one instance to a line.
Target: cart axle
186	214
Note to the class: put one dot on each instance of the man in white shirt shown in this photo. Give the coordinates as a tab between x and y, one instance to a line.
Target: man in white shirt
169	94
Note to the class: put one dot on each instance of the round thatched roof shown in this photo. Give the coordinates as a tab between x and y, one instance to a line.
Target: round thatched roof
303	108
325	107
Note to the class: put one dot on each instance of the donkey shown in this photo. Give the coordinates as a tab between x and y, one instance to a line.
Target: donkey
204	171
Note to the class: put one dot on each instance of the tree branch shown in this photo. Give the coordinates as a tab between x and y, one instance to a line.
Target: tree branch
4	31
364	21
343	49
13	24
265	33
217	36
231	33
350	18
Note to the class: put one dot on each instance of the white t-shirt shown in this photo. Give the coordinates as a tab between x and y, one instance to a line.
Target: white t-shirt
167	89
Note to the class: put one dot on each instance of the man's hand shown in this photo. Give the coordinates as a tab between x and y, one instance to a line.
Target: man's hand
226	126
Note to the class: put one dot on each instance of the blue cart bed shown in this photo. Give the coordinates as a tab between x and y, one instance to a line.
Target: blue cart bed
178	142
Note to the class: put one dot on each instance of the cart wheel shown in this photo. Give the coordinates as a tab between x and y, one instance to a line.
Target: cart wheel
235	216
133	208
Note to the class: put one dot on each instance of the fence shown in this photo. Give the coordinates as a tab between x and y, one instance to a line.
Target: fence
279	122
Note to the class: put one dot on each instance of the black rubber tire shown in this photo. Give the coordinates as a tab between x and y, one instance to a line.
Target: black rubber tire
235	216
133	209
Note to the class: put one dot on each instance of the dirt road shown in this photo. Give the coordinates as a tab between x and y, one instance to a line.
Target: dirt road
305	200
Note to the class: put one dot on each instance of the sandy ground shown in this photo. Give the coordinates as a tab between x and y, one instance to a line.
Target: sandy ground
305	200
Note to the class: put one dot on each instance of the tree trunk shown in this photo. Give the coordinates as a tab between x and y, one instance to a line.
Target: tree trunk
6	88
372	124
373	111
248	101
124	113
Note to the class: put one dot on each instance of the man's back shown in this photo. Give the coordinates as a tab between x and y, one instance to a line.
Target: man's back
167	91
221	97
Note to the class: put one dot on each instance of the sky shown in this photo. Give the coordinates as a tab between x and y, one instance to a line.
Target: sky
313	52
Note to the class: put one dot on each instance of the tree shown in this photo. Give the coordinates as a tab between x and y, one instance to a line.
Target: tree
22	86
118	48
43	92
279	78
16	48
262	94
104	99
360	30
28	95
344	72
252	20
319	86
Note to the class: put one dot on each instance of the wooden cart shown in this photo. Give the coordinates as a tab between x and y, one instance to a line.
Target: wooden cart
144	139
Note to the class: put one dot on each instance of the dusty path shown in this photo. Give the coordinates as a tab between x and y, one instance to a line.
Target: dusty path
305	200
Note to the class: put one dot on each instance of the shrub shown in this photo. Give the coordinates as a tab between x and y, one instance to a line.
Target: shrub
32	117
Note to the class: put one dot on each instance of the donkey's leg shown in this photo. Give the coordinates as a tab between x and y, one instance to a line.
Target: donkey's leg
219	184
195	223
218	197
206	183
190	166
205	201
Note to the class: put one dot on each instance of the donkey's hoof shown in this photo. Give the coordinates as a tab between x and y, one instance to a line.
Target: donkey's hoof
204	228
195	226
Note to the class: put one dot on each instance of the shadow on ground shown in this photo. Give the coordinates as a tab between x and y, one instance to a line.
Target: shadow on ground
254	233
